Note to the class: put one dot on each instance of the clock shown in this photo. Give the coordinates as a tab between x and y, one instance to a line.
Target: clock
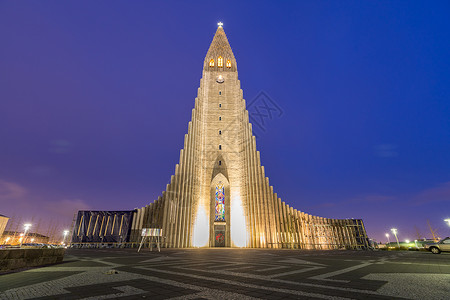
220	79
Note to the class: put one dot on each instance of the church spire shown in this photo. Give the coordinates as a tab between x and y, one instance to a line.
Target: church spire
220	57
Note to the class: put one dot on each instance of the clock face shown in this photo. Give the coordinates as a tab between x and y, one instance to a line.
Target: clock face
220	79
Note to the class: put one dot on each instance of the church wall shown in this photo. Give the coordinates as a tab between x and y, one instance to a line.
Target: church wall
188	199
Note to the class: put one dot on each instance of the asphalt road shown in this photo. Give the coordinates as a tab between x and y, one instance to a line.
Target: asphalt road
234	274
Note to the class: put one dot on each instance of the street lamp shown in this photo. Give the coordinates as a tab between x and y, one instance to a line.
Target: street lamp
394	231
387	235
407	241
26	227
448	221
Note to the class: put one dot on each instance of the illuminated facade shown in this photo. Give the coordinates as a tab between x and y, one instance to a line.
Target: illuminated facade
3	222
219	195
15	238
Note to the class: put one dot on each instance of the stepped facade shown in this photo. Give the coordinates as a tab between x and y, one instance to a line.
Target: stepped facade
219	195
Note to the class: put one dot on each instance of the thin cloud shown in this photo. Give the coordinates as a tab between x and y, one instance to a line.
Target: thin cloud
386	150
11	190
440	193
67	207
369	199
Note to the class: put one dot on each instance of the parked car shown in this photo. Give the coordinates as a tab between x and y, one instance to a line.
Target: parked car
441	246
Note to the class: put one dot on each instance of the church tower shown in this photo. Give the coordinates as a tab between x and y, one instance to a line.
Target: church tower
219	195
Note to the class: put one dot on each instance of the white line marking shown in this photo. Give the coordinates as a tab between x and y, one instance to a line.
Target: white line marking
338	272
271	269
294	272
292	292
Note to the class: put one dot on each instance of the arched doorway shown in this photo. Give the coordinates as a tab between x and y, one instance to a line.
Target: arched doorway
220	212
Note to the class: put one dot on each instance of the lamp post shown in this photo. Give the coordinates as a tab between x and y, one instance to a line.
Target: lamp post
394	231
26	227
387	235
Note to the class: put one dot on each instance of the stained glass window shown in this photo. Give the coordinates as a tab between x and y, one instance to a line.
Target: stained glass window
228	63
220	202
220	62
211	63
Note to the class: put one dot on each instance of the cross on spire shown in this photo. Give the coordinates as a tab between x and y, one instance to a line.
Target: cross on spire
220	24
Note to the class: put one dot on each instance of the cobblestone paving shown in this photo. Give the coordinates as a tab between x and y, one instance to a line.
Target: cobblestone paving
234	274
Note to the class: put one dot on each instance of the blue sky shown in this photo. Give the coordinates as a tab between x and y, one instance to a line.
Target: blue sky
95	98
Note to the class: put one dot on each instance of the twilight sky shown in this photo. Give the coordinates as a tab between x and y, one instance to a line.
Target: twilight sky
95	98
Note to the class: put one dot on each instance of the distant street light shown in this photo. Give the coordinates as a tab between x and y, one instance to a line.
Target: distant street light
448	221
394	231
387	235
407	241
26	227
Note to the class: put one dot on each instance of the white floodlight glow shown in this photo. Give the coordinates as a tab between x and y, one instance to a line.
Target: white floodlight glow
201	229
238	228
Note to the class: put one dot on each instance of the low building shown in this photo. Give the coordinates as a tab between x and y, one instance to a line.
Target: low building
3	222
102	226
15	238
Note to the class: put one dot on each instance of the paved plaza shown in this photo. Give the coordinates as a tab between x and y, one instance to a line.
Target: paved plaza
234	274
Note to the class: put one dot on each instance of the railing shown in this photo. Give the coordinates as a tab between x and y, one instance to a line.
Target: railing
317	246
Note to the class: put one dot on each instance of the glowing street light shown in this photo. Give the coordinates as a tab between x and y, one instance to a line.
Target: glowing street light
394	231
387	235
448	221
26	227
407	241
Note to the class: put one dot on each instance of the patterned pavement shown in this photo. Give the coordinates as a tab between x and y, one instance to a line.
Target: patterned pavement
234	274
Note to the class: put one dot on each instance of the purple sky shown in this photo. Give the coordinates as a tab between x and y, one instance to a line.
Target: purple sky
95	98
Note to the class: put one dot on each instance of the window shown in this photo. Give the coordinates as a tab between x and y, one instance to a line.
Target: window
220	203
220	132
228	63
220	147
220	162
220	92
220	118
220	62
220	104
211	63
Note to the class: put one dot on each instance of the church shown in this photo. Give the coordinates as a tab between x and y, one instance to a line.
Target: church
219	195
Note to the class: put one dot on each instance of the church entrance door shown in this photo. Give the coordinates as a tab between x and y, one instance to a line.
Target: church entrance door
219	238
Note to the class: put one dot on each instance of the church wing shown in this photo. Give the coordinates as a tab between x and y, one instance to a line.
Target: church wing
219	195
